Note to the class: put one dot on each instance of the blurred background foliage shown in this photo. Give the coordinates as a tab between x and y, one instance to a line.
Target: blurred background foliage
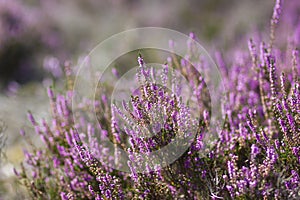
31	29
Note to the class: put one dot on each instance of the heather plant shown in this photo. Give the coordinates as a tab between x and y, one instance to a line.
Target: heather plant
256	155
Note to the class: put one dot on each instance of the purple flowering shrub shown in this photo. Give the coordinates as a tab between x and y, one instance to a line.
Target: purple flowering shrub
255	156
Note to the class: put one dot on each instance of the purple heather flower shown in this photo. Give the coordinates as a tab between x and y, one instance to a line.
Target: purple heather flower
98	197
62	151
253	184
231	190
31	118
192	37
254	151
63	196
68	138
252	50
56	162
272	75
231	169
272	155
295	180
276	11
115	73
50	93
295	62
277	144
241	185
263	54
296	152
